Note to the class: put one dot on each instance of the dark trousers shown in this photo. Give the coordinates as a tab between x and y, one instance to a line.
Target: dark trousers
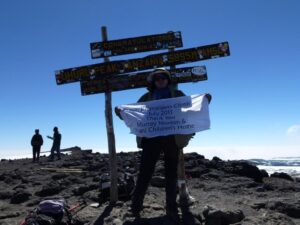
152	147
36	153
55	148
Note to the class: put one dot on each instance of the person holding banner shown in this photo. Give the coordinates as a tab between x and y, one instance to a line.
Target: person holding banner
160	87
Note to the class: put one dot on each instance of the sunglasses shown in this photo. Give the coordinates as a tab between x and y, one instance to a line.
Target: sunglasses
160	77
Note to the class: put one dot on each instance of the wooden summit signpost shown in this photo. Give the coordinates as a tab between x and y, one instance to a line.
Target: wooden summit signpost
120	75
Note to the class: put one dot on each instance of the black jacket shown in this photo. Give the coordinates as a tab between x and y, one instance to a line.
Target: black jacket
37	140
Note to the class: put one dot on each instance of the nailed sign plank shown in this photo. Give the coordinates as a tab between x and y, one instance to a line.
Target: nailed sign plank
149	62
138	80
136	44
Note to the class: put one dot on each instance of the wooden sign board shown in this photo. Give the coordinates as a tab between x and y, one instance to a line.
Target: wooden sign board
152	61
138	80
136	44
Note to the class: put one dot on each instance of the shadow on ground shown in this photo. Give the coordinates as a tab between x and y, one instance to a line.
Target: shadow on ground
187	219
148	221
106	213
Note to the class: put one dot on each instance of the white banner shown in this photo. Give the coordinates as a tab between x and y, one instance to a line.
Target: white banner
181	115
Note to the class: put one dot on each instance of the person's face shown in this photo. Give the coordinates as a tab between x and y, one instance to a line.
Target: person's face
160	81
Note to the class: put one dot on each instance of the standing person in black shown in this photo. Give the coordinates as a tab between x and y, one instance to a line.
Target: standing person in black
56	144
36	143
160	87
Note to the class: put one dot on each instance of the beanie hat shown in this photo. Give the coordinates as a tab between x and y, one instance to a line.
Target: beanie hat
150	77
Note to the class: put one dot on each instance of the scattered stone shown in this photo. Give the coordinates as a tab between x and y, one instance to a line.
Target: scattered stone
258	205
33	203
9	215
268	187
117	222
268	218
197	171
20	186
9	180
158	181
218	217
213	174
49	189
215	158
264	173
243	168
157	207
260	189
59	176
20	197
193	156
80	190
282	176
5	194
292	210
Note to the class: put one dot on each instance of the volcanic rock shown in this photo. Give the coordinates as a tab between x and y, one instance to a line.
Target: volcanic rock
215	216
20	196
282	176
49	189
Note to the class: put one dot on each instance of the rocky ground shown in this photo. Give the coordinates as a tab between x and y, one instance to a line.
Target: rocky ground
226	192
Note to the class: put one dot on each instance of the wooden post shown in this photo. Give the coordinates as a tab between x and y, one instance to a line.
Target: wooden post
110	137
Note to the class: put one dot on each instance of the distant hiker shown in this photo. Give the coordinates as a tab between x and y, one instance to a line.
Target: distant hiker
56	144
36	143
160	87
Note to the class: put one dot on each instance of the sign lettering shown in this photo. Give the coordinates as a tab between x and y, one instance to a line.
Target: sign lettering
148	62
135	45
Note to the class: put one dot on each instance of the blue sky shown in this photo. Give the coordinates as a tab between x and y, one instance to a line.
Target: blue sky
255	110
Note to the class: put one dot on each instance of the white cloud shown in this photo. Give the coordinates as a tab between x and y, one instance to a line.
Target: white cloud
293	131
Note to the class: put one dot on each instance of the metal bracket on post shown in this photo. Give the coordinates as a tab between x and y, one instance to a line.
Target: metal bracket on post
110	137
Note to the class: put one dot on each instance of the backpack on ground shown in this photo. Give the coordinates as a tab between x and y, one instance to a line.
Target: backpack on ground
51	212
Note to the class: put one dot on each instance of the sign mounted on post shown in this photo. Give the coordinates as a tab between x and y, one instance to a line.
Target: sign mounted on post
157	60
136	44
138	80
